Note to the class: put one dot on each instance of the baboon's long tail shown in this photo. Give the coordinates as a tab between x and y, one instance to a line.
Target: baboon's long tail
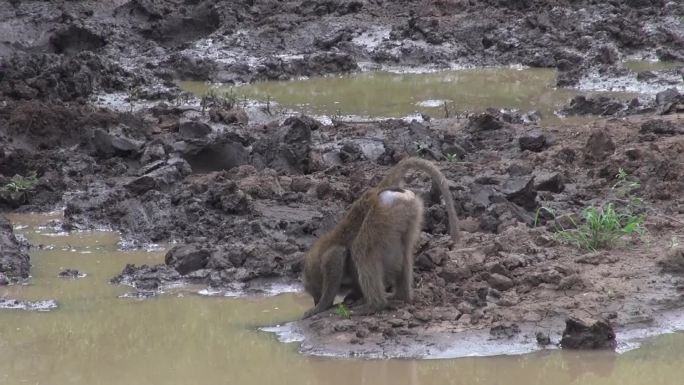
396	174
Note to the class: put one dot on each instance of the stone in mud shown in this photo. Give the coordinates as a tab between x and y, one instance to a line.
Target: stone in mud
599	146
673	262
484	122
141	184
69	273
188	258
500	282
504	331
193	129
599	105
646	76
107	144
520	190
543	339
668	96
553	182
153	151
534	141
232	116
658	127
74	39
289	148
588	334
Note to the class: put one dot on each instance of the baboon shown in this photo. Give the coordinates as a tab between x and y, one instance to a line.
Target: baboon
371	248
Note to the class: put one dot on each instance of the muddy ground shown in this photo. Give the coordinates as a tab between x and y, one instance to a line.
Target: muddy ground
244	192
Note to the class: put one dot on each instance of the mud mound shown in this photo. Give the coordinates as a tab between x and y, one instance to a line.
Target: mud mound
14	262
48	76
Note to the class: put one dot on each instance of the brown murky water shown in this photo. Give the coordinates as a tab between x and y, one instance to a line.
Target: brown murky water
644	65
95	337
385	94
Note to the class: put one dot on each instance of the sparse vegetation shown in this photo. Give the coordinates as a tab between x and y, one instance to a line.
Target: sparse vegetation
342	311
226	101
21	184
421	148
602	227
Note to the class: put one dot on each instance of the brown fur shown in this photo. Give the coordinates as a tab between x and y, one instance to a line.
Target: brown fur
371	248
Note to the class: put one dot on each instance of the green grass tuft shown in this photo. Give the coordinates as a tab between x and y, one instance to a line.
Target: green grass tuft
342	311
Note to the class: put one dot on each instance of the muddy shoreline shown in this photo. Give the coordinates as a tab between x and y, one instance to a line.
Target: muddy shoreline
243	192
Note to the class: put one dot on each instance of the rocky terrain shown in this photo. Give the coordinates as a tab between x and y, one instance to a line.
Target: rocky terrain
244	192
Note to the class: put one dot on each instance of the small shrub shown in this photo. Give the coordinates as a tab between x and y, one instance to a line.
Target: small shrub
602	227
342	311
21	184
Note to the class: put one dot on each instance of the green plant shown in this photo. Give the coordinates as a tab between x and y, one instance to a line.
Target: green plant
602	227
421	148
228	100
342	311
452	157
21	184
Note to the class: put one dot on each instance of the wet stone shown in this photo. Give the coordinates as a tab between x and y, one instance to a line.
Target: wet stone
668	96
658	127
520	190
186	259
500	282
552	182
599	145
193	129
69	273
543	339
588	334
504	331
534	141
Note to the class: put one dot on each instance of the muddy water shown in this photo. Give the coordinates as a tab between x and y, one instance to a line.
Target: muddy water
385	94
644	65
95	337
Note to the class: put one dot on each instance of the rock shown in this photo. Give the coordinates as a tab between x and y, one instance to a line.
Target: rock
543	339
534	141
504	331
500	282
587	334
668	96
484	122
607	54
520	190
152	152
673	261
193	129
4	280
396	322
186	259
549	182
14	261
599	146
658	127
70	273
599	105
232	116
141	184
646	75
107	144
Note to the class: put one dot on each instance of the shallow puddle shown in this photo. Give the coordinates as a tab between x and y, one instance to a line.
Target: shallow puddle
386	94
646	65
95	337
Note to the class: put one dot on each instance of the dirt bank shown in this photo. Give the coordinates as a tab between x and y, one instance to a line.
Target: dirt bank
267	39
14	262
